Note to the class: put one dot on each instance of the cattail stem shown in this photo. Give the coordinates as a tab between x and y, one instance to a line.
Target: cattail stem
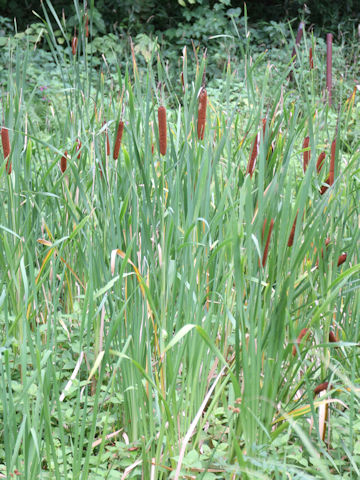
266	250
5	140
162	129
107	140
119	135
202	114
329	39
297	43
307	153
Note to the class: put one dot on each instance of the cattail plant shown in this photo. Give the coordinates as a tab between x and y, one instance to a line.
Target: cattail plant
86	25
297	43
266	250
182	81
63	162
254	152
311	60
332	337
202	114
327	243
324	188
292	233
307	153
78	147
342	258
331	177
321	387
298	38
162	129
118	139
320	162
107	139
6	148
304	332
74	43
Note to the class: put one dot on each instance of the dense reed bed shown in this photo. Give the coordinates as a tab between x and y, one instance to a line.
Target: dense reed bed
179	276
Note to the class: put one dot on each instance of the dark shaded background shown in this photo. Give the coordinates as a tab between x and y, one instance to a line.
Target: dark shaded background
154	15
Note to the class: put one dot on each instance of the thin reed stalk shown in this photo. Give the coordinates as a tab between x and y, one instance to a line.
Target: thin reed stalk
329	39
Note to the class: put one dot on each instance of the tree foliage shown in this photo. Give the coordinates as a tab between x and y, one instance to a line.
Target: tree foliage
149	16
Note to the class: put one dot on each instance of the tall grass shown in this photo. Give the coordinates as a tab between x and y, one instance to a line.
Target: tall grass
151	299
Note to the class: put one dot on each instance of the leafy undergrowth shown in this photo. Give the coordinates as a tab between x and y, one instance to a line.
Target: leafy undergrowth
180	297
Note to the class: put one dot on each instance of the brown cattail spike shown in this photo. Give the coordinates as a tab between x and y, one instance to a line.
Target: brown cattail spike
264	126
182	81
162	129
342	258
297	43
78	147
63	162
86	26
119	134
327	243
332	337
311	60
325	187
266	250
5	140
254	152
202	114
321	387
304	332
292	233
263	229
307	153
74	45
320	162
298	36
